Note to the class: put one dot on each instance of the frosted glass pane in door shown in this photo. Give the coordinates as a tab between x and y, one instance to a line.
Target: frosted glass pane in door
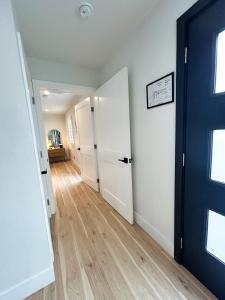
220	63
216	235
218	156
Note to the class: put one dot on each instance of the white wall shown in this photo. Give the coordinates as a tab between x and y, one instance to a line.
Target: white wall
25	252
74	153
55	121
150	54
57	72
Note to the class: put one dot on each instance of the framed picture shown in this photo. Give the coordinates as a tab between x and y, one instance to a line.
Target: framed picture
160	91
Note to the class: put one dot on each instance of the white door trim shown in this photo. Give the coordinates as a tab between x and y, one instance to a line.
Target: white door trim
20	47
49	85
36	282
29	286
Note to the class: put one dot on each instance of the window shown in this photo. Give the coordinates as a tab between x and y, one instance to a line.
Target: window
220	63
218	157
70	129
215	240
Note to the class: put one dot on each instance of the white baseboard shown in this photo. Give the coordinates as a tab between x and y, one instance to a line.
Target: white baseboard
155	234
29	286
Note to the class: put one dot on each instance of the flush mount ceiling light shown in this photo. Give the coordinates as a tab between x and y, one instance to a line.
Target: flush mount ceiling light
86	9
46	93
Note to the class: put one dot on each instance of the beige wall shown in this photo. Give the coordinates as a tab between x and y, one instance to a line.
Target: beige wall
53	121
56	121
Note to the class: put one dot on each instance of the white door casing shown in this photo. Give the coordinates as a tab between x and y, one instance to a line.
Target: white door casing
43	153
113	138
43	159
29	94
29	89
86	142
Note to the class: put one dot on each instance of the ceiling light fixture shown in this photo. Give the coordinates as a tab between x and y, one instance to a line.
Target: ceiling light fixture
46	93
86	9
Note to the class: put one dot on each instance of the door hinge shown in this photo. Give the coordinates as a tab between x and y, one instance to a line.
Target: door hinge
186	55
98	180
95	146
92	109
33	100
48	202
183	160
181	243
41	154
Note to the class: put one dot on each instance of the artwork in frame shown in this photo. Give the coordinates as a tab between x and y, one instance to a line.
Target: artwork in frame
160	91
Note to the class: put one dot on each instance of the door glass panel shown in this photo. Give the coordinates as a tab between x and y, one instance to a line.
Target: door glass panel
220	63
215	239
218	156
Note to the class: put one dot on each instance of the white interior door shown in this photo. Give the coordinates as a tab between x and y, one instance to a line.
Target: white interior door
86	141
113	139
45	170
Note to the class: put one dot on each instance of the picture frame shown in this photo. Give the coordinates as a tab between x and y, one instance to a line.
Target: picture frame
160	91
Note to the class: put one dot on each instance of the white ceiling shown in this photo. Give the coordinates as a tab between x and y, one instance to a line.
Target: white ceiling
53	30
59	103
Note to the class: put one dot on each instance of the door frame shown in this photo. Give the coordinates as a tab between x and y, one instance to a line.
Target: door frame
35	145
181	96
49	85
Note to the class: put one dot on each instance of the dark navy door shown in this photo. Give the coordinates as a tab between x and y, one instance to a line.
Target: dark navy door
204	198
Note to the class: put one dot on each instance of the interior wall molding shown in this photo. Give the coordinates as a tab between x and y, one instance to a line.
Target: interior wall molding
155	234
29	286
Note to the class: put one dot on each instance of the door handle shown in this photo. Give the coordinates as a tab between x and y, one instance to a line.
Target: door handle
124	160
44	172
78	149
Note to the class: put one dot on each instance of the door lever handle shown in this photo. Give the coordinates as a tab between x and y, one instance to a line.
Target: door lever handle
124	160
44	172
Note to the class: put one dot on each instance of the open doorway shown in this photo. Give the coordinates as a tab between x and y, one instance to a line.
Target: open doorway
60	125
55	128
76	125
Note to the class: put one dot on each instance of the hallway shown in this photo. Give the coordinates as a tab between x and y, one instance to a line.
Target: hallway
98	255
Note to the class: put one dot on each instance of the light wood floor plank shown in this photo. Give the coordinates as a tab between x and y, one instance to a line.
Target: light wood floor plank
86	250
98	255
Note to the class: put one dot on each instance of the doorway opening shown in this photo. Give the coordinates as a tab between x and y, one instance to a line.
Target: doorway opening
85	126
55	128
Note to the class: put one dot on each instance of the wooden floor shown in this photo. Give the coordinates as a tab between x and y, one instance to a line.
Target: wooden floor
98	255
